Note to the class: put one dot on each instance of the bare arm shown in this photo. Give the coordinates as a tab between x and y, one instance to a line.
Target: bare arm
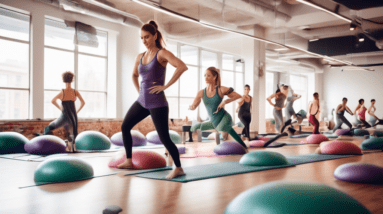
296	97
251	105
233	95
135	72
57	97
357	108
81	100
349	111
197	100
269	99
310	107
175	62
240	103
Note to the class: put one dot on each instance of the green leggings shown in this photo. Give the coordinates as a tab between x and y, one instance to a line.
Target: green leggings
209	125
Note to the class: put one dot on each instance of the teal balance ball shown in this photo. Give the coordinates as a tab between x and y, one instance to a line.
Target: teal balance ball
372	143
12	142
92	140
63	169
263	158
294	198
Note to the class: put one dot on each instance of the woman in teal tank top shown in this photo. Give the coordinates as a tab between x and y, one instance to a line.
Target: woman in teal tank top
212	97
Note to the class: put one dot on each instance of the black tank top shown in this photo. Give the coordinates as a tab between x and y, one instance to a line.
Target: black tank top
69	110
245	108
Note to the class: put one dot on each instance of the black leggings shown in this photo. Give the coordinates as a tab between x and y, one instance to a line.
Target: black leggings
340	119
245	119
160	117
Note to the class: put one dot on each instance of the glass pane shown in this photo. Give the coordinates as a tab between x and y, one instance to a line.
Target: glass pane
55	63
236	119
227	78
102	45
51	111
173	107
299	85
189	82
14	104
239	67
95	105
227	62
208	59
91	73
58	35
202	111
239	86
202	78
189	55
184	106
230	109
173	89
14	25
269	91
14	64
172	47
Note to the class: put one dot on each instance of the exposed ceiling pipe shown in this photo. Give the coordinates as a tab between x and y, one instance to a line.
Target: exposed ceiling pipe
95	11
251	8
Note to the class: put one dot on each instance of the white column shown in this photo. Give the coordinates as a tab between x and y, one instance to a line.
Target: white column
37	65
111	106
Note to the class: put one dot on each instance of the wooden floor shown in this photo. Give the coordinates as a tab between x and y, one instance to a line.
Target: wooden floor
140	195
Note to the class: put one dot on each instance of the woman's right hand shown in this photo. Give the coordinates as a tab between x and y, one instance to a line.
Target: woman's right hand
192	107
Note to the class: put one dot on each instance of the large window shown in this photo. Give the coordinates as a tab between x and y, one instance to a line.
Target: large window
89	65
299	85
14	64
183	92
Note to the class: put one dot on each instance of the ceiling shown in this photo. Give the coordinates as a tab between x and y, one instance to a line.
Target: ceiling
287	22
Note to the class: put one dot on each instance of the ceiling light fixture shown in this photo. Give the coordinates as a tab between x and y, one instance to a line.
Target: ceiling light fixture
313	40
325	10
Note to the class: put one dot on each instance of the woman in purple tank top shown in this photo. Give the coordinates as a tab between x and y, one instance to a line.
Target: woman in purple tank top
151	65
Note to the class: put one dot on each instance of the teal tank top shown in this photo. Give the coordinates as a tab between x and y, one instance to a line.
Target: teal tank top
211	105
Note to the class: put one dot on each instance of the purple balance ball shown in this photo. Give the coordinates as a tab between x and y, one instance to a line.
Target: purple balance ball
138	138
181	150
359	173
45	145
229	148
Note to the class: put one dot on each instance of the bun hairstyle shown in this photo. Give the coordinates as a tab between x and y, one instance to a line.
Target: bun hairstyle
67	77
152	28
216	72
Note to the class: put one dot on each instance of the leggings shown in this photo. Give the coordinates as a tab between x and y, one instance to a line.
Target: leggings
278	119
340	119
246	119
372	121
313	120
63	120
209	125
160	118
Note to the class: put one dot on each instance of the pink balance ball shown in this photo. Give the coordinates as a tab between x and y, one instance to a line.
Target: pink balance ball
340	148
211	136
257	143
263	138
141	160
316	139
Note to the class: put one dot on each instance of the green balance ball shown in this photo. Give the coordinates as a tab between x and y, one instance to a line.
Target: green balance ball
63	169
294	198
174	136
12	142
92	140
263	158
372	144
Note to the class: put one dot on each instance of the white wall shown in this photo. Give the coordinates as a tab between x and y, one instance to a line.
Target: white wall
354	85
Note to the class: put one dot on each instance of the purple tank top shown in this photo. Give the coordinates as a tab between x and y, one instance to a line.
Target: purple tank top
152	74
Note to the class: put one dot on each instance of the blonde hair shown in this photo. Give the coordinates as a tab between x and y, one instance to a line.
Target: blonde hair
216	72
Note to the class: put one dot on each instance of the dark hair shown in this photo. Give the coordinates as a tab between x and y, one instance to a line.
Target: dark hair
68	77
372	100
344	98
215	71
315	94
247	86
361	100
152	28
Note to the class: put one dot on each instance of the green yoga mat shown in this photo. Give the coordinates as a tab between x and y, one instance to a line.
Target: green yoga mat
299	136
201	172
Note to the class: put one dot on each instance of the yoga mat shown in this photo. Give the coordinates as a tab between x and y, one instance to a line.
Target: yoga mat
201	172
299	136
140	171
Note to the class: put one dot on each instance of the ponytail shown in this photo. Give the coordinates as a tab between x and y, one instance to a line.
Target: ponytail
152	28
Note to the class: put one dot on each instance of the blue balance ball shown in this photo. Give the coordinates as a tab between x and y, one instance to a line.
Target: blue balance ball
92	140
263	158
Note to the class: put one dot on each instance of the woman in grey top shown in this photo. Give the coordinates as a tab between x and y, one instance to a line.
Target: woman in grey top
280	99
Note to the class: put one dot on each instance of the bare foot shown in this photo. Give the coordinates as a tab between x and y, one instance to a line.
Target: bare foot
318	151
247	150
175	173
126	165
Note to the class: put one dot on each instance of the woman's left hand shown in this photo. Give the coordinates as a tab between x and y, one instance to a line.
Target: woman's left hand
157	89
221	106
